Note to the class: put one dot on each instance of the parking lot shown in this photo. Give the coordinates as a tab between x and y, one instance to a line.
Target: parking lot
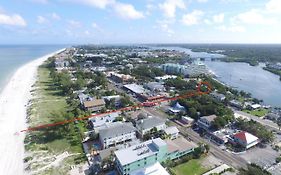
264	157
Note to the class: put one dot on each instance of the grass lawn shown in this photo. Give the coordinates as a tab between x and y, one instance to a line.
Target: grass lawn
257	112
49	106
48	103
192	167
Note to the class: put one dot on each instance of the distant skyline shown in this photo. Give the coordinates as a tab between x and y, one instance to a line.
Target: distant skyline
139	21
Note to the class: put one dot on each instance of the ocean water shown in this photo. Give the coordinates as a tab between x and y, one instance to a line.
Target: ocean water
14	56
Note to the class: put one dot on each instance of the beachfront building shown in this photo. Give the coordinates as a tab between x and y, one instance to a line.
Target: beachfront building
245	139
155	169
94	105
99	121
148	153
117	133
145	126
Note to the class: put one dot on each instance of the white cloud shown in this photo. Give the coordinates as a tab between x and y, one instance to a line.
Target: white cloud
192	18
232	28
41	20
74	23
164	25
253	17
207	21
127	11
55	16
202	1
169	7
15	20
96	3
273	6
218	18
40	1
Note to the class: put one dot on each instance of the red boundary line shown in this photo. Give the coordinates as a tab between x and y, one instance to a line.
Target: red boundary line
188	95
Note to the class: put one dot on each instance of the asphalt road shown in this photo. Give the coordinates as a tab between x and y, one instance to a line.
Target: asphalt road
269	124
226	157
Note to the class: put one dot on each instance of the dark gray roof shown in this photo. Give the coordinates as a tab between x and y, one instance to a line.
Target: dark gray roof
149	122
116	130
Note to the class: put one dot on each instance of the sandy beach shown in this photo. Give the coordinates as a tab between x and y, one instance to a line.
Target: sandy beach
13	101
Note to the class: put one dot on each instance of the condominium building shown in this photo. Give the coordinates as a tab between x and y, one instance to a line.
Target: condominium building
150	152
118	133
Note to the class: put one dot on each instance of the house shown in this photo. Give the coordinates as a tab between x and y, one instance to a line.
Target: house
116	98
217	96
146	125
61	63
273	116
205	122
117	133
172	131
83	97
245	139
254	106
99	121
146	154
236	104
121	78
187	120
176	108
165	77
155	87
94	105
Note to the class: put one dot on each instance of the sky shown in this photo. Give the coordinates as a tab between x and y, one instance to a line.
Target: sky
139	21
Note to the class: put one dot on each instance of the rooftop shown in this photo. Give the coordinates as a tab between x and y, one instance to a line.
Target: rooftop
135	88
154	169
97	102
179	144
245	136
116	130
149	122
171	130
138	152
100	120
209	118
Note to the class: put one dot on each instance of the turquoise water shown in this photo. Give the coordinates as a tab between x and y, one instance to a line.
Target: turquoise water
14	56
260	83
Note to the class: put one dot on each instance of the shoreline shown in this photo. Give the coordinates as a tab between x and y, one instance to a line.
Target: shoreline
14	98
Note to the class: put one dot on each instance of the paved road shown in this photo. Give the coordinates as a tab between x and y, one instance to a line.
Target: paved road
226	157
265	122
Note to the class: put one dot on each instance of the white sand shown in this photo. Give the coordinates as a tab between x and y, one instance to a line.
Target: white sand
13	101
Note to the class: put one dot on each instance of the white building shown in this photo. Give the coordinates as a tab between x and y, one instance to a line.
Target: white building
116	134
154	169
205	122
99	121
144	126
172	131
245	139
